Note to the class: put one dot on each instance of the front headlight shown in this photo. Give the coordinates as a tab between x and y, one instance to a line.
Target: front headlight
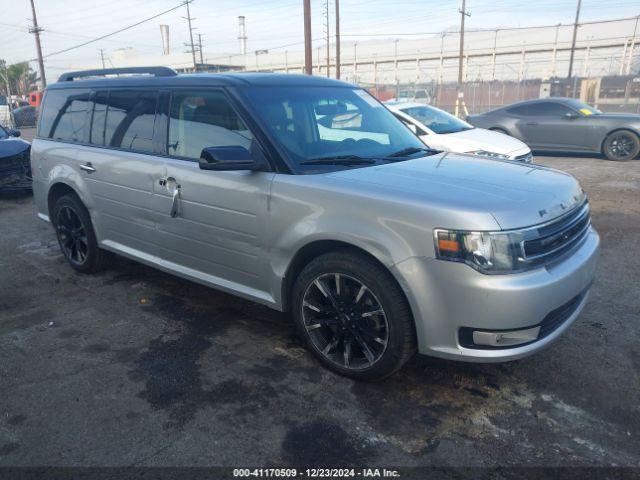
484	153
488	252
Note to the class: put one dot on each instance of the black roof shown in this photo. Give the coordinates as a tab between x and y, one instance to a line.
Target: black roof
538	100
160	77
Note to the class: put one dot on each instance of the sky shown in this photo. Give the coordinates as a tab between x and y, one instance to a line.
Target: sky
271	24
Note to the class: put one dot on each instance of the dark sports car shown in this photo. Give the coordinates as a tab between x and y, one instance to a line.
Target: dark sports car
15	162
566	125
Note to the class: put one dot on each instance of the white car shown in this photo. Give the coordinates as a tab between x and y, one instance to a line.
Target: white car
442	131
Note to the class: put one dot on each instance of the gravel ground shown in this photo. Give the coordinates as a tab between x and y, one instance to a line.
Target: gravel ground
136	367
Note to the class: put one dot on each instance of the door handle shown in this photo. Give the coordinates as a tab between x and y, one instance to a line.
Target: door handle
533	123
174	202
173	187
87	167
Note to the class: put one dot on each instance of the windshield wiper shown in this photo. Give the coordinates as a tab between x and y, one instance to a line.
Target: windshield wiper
405	152
340	160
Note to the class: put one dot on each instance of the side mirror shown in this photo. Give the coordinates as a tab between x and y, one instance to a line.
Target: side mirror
571	115
229	159
14	132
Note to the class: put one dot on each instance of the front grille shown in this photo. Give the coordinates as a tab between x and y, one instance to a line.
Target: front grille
526	158
559	236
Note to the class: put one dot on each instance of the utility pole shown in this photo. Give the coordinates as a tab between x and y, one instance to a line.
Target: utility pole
200	49
573	41
460	97
102	57
395	66
193	48
35	29
308	66
493	56
337	39
555	53
326	12
355	62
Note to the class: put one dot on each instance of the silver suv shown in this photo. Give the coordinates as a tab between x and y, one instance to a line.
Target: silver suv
307	195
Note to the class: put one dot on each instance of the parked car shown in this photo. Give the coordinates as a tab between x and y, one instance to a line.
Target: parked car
15	166
560	124
376	246
442	131
25	116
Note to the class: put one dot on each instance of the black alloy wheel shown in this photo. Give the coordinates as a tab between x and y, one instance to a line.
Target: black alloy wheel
353	315
622	145
345	321
72	235
76	236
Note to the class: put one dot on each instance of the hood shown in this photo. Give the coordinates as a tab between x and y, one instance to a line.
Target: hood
482	139
12	146
517	195
630	117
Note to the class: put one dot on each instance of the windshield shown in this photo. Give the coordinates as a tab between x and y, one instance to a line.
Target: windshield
436	120
315	125
3	132
583	108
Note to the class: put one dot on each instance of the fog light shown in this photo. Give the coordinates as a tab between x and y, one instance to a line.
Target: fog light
506	338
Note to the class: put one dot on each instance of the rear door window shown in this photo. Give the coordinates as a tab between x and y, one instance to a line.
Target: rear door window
130	120
203	118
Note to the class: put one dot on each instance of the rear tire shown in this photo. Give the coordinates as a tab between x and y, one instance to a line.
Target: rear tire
621	145
353	316
75	234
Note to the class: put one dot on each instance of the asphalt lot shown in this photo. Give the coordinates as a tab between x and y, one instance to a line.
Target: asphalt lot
136	367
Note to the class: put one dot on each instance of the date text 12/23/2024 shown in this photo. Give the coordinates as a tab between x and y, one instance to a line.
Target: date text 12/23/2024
315	473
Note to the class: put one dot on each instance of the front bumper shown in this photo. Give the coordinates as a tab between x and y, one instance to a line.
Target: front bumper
15	172
447	298
523	155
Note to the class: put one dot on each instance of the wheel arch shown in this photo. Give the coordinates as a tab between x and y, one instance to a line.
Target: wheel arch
57	190
314	249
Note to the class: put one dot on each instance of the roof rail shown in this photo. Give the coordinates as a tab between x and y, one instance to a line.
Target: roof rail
155	71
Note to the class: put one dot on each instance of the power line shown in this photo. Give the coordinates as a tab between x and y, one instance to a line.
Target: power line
111	34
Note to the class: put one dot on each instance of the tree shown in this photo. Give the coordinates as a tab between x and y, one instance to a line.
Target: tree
21	78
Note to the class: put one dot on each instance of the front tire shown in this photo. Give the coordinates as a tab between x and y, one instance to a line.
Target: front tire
353	316
621	146
76	236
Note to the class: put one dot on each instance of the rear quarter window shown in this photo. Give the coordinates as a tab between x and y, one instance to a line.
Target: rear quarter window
64	115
